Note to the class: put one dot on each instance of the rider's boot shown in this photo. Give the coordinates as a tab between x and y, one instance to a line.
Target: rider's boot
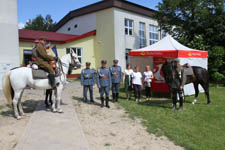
102	101
181	104
114	97
107	102
117	96
52	80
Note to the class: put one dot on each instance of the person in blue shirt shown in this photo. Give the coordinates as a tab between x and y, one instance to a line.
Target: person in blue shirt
88	81
117	79
104	82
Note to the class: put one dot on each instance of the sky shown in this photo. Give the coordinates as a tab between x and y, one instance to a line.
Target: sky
29	9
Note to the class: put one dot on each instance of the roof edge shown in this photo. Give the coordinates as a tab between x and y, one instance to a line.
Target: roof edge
122	4
91	33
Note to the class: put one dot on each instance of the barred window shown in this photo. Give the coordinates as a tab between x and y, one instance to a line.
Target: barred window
142	39
153	34
78	51
128	27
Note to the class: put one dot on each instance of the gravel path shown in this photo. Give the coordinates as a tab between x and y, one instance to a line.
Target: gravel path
104	129
112	129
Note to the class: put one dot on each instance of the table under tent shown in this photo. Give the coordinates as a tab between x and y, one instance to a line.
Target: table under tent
166	49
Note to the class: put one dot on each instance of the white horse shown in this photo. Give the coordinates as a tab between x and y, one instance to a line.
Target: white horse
16	80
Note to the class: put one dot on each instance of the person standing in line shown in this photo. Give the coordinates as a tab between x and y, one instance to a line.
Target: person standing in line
88	81
148	76
117	78
104	83
127	81
137	83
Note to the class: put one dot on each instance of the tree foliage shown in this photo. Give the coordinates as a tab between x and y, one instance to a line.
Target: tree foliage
199	24
40	23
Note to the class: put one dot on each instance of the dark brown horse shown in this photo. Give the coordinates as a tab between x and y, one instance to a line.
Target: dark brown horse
200	76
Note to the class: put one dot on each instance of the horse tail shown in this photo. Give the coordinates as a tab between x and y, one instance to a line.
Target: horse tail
7	88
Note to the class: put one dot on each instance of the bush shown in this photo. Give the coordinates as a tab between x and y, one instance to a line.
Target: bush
218	77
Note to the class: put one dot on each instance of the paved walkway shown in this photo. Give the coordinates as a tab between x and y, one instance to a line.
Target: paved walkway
54	131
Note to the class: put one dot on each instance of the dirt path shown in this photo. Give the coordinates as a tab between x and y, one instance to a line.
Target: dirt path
112	129
105	129
11	130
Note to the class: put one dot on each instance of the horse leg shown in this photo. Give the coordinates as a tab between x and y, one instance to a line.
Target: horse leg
46	99
54	102
206	89
50	97
58	98
196	93
20	108
15	102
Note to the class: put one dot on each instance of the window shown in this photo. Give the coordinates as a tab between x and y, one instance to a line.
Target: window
128	27
68	29
153	34
75	26
78	51
127	57
142	35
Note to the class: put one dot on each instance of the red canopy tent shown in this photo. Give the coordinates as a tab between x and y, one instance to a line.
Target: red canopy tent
167	48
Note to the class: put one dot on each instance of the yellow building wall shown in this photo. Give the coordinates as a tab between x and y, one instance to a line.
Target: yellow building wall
104	44
87	45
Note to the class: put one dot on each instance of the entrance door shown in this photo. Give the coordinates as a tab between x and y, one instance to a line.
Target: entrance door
127	57
27	56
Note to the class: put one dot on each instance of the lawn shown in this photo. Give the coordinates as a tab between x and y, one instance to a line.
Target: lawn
197	127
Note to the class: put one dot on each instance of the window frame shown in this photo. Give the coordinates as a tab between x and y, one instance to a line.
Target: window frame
143	30
75	50
128	27
154	40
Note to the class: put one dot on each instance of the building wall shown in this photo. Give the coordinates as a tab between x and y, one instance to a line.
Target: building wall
122	41
9	51
84	24
87	45
105	44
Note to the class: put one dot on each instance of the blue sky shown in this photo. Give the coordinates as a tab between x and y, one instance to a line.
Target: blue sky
29	9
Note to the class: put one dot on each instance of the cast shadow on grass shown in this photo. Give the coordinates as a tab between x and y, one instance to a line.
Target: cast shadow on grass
157	103
28	107
80	99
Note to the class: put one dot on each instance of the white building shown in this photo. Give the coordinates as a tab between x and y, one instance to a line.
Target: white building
120	27
9	51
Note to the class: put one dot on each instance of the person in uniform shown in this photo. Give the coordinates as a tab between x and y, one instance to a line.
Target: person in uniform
117	78
104	82
177	83
43	58
88	81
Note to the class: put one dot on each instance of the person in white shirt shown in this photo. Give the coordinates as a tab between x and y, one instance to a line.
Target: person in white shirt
127	81
148	76
137	83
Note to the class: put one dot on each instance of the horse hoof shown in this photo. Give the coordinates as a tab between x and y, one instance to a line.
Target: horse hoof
193	103
18	117
60	111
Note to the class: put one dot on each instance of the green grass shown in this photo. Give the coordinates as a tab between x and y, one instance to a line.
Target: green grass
197	127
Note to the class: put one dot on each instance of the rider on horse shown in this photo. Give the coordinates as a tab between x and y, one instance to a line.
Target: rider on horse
43	59
177	83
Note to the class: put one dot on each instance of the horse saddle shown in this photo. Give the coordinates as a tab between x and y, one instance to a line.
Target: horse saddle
39	74
188	70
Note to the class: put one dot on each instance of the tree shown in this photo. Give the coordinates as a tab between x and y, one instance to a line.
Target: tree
199	24
40	23
187	19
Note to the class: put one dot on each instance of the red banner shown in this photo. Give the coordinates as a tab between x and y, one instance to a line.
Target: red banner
158	83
